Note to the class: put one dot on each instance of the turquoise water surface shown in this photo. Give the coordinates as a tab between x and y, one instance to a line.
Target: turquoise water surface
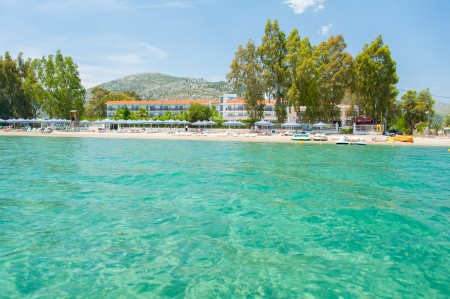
95	218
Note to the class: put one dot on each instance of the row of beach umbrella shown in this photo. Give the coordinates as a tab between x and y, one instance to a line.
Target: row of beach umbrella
231	123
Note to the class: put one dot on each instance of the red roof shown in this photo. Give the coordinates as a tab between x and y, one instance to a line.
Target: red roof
242	101
162	102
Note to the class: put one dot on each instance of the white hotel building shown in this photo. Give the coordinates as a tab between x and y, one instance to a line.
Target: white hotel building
230	106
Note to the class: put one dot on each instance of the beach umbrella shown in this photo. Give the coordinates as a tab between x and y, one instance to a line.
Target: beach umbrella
263	123
171	122
320	125
197	123
233	123
184	122
209	123
291	124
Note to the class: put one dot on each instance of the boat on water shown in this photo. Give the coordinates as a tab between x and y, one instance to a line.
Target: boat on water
358	142
403	138
301	137
348	141
319	137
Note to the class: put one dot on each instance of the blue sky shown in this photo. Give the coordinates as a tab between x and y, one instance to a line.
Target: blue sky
109	39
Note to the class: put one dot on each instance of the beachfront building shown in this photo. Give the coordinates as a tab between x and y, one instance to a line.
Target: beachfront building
156	107
232	107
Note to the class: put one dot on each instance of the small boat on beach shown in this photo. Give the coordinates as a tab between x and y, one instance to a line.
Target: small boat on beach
319	137
403	138
350	141
379	139
343	141
301	137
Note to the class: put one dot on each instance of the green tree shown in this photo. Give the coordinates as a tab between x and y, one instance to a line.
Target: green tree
124	113
409	107
97	106
247	74
58	87
374	79
142	113
168	115
216	116
133	94
417	107
303	76
198	112
9	81
333	64
273	52
446	122
183	115
15	97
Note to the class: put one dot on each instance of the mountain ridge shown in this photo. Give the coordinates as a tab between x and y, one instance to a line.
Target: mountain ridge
158	86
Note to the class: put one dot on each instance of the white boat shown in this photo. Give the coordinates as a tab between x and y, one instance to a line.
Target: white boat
358	142
350	141
301	137
319	137
343	141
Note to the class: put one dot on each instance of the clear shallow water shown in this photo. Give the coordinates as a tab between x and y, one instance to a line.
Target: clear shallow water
147	218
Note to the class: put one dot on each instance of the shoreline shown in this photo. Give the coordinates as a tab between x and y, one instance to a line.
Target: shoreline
277	138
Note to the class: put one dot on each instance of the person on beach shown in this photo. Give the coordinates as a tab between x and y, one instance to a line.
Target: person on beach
186	128
72	123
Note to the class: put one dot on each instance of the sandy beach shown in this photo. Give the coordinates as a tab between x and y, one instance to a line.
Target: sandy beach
224	136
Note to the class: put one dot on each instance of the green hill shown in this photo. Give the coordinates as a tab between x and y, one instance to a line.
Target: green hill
155	86
442	108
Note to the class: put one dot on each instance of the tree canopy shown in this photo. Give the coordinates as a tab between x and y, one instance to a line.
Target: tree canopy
295	73
16	96
58	86
247	73
198	112
416	107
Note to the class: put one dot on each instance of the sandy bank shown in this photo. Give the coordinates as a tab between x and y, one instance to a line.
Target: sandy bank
418	141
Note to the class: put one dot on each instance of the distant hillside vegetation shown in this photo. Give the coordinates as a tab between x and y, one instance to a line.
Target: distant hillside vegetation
155	86
441	108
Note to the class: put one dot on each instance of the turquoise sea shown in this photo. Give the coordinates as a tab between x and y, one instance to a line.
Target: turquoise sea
131	218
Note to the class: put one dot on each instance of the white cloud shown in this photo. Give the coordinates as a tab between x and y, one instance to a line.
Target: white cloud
325	29
116	57
135	53
299	6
